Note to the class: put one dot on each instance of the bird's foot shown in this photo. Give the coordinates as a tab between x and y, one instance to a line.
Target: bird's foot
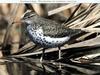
59	59
41	59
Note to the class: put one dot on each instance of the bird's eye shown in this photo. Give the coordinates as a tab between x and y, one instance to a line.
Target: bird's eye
28	16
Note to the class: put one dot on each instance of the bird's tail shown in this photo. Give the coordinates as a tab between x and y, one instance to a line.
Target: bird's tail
75	33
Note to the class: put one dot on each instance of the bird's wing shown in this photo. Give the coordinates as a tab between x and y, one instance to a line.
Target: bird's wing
54	29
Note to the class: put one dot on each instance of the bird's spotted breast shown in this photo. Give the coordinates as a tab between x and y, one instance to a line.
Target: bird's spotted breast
45	41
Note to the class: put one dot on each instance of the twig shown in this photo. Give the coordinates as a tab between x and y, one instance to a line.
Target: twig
57	10
72	14
91	42
84	36
94	25
91	29
87	13
92	13
81	14
86	20
39	10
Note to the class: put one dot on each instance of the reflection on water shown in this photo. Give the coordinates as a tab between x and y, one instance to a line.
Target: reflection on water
30	66
77	61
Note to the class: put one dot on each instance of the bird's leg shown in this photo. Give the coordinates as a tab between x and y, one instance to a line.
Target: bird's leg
59	57
43	53
60	67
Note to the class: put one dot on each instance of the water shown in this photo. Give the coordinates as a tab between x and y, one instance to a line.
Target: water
30	66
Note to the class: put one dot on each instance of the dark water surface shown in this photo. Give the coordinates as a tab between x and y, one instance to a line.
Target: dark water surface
34	67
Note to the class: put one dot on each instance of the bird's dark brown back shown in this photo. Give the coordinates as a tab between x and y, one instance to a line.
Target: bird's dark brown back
54	29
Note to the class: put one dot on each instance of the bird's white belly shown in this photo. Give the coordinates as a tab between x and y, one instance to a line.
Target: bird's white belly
46	41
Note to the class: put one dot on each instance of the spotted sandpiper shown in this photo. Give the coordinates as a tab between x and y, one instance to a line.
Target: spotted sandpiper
45	32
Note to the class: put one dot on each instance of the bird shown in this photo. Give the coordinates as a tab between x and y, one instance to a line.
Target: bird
45	32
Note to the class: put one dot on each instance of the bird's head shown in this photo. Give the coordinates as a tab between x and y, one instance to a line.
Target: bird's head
28	16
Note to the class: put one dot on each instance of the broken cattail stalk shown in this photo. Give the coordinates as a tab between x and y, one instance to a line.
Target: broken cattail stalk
39	10
86	20
57	10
